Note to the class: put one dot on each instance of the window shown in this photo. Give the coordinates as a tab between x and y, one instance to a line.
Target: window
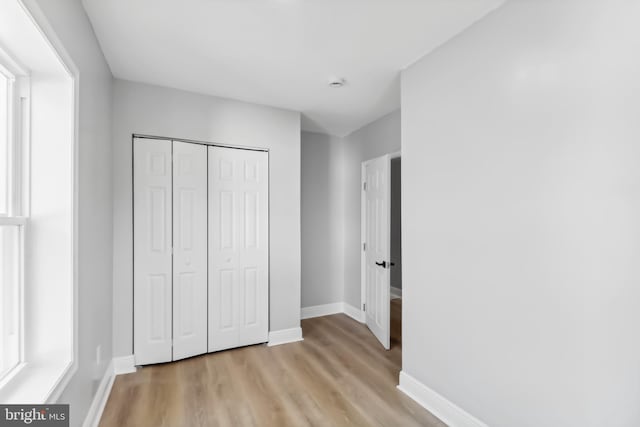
5	82
38	269
10	262
12	223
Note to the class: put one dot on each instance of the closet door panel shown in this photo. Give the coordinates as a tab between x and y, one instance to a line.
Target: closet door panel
224	288
254	252
238	248
189	250
152	225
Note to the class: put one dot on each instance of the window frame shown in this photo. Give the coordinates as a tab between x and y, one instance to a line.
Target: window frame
21	223
45	375
17	137
18	126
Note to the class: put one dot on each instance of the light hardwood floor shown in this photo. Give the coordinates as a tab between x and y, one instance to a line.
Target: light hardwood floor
338	376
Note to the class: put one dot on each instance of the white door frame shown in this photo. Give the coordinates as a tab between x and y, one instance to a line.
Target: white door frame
363	227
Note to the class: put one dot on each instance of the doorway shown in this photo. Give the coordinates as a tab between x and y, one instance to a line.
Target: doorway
396	252
381	260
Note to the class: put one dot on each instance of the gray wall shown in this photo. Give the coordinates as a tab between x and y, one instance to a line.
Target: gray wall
67	18
396	222
374	140
331	168
154	110
322	219
520	214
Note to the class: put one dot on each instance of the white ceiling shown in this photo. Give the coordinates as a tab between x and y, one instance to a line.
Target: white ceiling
281	52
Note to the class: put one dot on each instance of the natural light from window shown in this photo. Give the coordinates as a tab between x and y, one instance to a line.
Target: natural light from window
37	255
11	231
4	138
9	273
10	240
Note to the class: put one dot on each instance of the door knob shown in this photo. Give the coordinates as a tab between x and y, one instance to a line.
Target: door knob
382	264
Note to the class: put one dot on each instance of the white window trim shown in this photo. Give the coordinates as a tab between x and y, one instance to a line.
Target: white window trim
19	94
14	371
13	220
17	82
41	22
32	381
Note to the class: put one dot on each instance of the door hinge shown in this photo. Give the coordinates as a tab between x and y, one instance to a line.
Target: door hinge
364	186
364	246
364	307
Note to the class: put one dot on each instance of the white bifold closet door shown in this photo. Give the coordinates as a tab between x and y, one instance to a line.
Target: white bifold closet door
238	247
189	249
170	250
152	269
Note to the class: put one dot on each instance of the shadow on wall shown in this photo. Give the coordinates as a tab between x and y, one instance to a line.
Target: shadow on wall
396	223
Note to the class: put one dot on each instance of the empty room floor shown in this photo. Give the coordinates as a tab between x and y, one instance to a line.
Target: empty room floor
338	376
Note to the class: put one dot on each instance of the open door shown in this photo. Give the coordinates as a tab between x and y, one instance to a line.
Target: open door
376	203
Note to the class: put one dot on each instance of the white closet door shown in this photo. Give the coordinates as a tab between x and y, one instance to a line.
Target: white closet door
238	247
152	250
189	250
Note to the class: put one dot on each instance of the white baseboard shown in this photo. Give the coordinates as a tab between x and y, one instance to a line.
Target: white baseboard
321	310
395	292
335	308
444	409
285	336
117	366
354	313
100	398
124	365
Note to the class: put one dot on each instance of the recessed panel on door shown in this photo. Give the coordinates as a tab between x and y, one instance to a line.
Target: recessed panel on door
238	247
189	249
152	224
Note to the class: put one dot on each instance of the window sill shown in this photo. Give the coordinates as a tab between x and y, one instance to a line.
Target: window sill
37	383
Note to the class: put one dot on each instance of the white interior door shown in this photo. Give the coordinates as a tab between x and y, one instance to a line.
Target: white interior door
189	249
238	248
377	249
152	221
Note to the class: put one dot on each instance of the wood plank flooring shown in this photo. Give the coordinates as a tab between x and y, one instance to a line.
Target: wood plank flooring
338	376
